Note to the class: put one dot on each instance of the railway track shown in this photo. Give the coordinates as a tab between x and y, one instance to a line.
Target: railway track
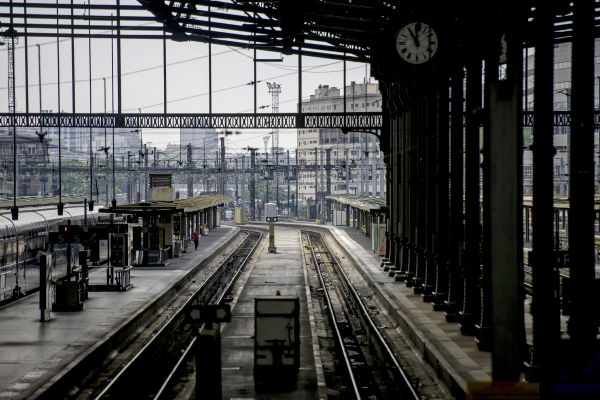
371	366
153	371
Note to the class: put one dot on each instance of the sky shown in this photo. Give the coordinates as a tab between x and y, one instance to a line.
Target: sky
187	81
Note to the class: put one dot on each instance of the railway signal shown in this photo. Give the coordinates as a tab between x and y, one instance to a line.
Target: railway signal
208	347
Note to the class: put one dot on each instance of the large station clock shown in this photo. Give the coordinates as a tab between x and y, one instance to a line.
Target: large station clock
416	43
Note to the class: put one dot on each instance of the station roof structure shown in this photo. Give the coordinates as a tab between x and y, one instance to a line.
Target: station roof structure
191	204
40	201
361	202
560	203
339	29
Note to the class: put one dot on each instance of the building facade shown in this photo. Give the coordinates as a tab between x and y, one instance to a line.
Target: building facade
332	162
562	102
33	176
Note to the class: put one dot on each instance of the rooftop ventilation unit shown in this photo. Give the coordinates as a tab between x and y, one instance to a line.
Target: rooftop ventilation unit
161	187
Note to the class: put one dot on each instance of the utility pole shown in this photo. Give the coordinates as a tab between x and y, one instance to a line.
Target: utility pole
274	90
190	179
11	39
297	176
288	179
146	172
236	180
266	140
327	181
222	165
316	183
252	184
277	179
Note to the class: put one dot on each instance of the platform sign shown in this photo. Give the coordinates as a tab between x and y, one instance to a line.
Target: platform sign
118	250
95	233
67	234
200	314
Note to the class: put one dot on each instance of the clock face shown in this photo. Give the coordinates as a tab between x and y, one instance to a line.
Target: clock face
416	43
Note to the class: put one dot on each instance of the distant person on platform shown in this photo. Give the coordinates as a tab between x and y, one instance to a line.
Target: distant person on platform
196	238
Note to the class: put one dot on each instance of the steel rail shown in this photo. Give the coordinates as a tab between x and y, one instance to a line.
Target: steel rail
388	353
332	317
173	324
161	392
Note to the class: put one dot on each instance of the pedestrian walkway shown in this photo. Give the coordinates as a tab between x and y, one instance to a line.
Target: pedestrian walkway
282	272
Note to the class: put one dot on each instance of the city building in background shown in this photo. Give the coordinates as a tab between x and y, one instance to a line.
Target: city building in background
332	162
562	102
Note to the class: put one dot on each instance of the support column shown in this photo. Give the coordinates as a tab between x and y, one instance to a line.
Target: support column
421	133
583	324
440	293
431	198
404	160
506	228
545	302
469	315
455	290
396	189
389	135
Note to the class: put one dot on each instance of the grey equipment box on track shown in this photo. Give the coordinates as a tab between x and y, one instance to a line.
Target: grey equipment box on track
276	341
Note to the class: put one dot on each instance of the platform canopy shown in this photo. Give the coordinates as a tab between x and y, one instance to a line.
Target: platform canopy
191	204
560	203
41	201
361	202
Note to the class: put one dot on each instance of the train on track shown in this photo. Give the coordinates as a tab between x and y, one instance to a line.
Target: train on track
23	239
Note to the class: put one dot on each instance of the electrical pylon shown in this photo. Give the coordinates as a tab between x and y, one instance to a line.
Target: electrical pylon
275	89
10	40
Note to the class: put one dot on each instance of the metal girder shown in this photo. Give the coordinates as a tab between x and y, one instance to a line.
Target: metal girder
367	120
330	28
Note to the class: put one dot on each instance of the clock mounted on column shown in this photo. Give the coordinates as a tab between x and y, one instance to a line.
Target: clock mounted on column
416	43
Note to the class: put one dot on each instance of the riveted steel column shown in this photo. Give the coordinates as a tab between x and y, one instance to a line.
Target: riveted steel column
544	305
404	162
469	315
440	293
386	139
391	193
397	188
455	291
506	210
411	152
484	334
431	196
421	131
583	325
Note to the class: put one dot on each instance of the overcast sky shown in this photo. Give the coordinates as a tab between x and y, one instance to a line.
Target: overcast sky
187	79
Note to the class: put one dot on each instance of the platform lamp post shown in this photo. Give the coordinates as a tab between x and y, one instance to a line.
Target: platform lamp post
106	147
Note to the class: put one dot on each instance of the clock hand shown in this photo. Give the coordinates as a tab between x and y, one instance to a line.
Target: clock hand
414	36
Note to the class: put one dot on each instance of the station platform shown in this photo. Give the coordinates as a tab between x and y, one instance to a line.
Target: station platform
35	355
454	356
281	272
